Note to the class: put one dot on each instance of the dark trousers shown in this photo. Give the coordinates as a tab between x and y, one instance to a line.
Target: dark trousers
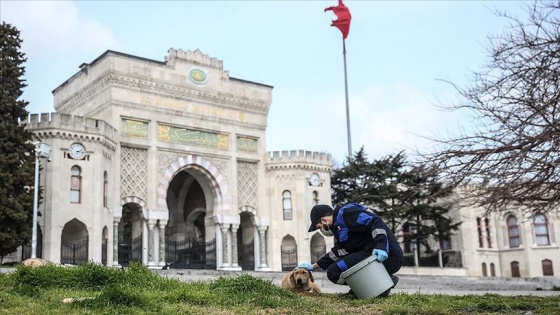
392	265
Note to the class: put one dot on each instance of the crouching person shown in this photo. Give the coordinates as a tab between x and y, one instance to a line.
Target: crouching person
358	234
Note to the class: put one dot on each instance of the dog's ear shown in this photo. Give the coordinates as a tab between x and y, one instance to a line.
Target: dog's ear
311	277
292	275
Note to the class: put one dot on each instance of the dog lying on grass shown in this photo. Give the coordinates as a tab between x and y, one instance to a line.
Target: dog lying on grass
35	262
300	280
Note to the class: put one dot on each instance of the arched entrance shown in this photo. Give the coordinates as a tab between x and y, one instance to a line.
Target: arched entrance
246	241
189	240
104	240
74	242
130	231
317	246
26	249
289	253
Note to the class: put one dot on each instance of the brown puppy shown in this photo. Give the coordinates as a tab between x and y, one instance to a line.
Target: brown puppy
300	280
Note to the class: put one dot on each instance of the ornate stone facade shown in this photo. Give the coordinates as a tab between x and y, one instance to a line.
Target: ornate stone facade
176	169
176	173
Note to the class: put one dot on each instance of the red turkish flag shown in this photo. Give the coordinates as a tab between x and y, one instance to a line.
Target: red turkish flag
344	17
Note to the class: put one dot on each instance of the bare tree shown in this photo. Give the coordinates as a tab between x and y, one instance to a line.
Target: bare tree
513	152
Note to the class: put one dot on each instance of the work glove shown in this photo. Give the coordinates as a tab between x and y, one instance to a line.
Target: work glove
381	254
306	266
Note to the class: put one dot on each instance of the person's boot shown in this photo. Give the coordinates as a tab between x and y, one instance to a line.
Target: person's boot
395	281
349	295
386	292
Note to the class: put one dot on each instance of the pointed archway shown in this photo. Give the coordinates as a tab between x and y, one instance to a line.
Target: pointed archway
130	231
317	246
246	241
190	234
289	253
74	243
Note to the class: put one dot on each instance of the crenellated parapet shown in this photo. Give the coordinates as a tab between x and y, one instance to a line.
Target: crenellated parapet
299	159
196	57
65	126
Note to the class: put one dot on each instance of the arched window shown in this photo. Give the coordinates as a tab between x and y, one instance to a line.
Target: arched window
492	270
409	242
484	272
488	235
540	226
547	267
287	204
513	231
479	230
105	188
75	184
315	198
515	269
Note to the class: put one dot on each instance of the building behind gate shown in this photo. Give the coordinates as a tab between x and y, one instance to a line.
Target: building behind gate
165	163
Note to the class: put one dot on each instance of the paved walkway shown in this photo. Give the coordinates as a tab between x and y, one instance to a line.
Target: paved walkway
407	284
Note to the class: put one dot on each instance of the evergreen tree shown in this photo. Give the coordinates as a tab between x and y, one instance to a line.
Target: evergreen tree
401	194
356	181
374	184
17	160
428	211
393	174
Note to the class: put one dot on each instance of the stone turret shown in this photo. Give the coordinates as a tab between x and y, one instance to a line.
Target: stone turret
299	159
49	125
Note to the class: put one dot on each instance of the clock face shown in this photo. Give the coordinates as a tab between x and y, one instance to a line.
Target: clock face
314	179
77	151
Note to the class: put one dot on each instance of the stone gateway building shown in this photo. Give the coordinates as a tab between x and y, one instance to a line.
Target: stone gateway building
166	163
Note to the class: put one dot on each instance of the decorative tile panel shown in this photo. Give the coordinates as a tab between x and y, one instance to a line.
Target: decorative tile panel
191	136
134	128
247	184
134	168
246	144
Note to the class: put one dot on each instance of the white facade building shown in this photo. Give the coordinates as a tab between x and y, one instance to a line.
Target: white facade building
166	163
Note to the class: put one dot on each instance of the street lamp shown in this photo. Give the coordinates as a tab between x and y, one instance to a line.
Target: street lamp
42	150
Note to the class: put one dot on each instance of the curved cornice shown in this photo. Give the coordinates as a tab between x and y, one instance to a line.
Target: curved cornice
159	88
303	166
74	136
169	111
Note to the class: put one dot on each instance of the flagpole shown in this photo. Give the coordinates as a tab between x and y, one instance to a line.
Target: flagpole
347	106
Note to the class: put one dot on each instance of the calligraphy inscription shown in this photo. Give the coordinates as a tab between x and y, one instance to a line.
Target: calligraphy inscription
199	109
162	101
134	128
190	136
217	112
246	144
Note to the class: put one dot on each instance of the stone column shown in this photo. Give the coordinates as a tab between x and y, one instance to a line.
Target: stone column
151	225
162	225
262	243
116	241
225	245
234	228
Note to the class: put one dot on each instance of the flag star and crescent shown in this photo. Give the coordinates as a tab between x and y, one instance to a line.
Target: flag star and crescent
343	14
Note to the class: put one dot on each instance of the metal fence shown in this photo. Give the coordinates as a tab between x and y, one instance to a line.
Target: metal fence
247	256
26	251
289	258
104	252
191	254
130	251
74	253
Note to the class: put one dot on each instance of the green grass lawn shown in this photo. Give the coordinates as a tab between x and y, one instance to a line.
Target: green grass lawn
137	290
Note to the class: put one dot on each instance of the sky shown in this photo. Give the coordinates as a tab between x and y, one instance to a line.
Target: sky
398	53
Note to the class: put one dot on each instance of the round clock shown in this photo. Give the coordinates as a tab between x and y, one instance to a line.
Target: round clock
77	151
314	179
